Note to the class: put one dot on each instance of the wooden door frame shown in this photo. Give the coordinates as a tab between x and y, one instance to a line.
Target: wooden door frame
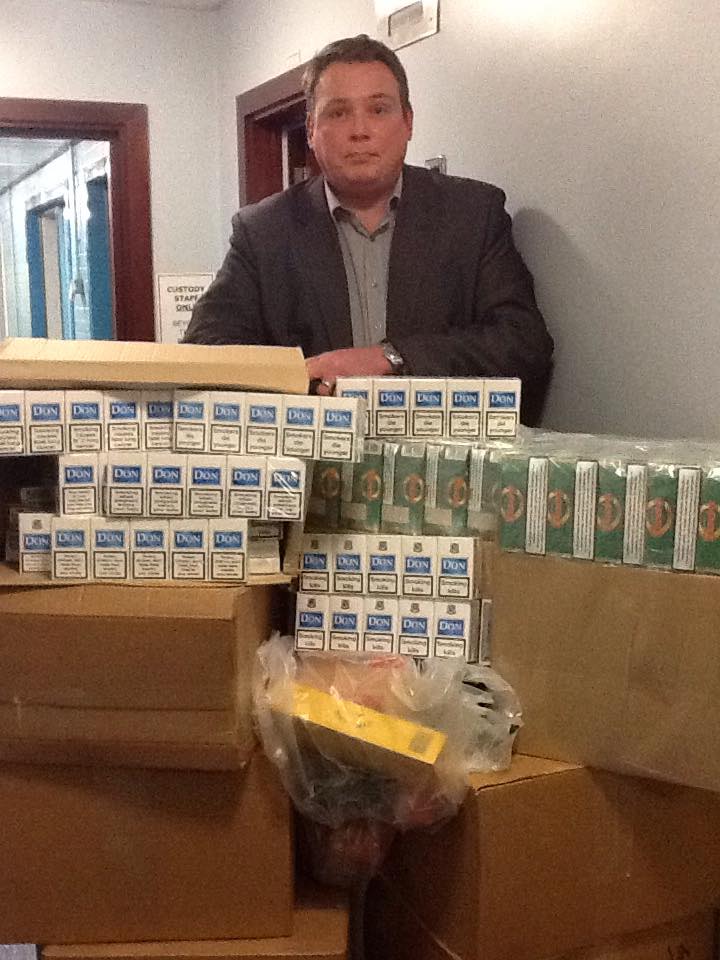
259	141
125	126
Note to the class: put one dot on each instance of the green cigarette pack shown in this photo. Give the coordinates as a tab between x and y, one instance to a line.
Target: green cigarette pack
403	507
325	496
513	501
485	477
660	511
362	490
707	549
446	489
610	511
560	507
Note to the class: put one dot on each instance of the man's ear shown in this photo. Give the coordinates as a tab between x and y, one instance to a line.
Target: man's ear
309	129
409	118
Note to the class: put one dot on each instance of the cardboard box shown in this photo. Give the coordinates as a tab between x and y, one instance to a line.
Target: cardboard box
547	858
32	363
106	854
617	667
689	939
137	675
320	924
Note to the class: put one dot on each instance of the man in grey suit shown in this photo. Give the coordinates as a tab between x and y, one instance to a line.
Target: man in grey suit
377	267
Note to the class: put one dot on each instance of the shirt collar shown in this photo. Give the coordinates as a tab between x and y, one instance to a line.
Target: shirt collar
334	204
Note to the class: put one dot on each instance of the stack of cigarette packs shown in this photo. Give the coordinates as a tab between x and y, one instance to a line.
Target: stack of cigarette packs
415	596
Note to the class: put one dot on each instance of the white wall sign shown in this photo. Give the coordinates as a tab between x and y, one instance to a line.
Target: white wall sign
177	293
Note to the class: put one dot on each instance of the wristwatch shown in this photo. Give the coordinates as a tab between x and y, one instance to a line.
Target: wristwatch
393	357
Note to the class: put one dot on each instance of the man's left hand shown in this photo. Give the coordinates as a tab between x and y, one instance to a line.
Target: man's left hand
353	362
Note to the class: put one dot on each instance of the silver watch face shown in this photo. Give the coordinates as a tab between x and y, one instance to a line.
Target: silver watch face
393	357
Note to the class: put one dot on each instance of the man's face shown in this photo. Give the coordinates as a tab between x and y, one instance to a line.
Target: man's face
358	129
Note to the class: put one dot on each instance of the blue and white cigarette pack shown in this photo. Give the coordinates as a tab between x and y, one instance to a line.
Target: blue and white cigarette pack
311	622
166	484
122	420
226	421
419	564
191	427
84	421
416	627
45	421
79	483
458	567
206	485
149	549
188	549
156	414
316	562
380	633
110	548
125	484
342	428
35	542
502	408
427	407
465	397
362	389
300	418
285	480
263	416
391	404
383	562
70	548
345	622
455	633
349	563
228	550
12	422
246	487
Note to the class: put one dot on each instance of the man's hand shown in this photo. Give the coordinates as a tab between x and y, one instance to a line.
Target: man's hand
354	362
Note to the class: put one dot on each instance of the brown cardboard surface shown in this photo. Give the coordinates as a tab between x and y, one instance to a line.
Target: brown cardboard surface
319	932
32	363
95	854
616	667
146	676
690	939
554	858
10	576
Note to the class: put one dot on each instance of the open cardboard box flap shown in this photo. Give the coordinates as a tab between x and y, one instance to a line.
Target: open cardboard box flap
33	363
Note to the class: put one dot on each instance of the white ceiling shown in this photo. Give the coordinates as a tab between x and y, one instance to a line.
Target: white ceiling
181	4
20	155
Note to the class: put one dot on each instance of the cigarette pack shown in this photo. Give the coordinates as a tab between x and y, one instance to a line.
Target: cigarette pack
660	511
263	414
403	508
560	509
285	498
79	483
610	511
228	548
311	622
122	420
465	409
459	568
45	421
362	389
502	408
513	501
537	505
263	557
391	403
362	490
149	549
188	549
125	484
383	560
686	518
635	507
300	420
707	550
419	564
84	423
12	422
485	494
456	630
427	407
226	420
349	563
585	509
326	487
191	421
110	542
156	416
70	548
207	486
416	625
447	484
35	542
380	631
345	622
246	486
167	484
342	428
316	563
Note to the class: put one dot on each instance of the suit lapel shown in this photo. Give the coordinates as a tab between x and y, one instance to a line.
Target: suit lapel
319	259
418	229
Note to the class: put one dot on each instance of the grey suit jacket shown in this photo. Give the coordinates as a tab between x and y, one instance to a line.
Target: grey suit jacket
460	299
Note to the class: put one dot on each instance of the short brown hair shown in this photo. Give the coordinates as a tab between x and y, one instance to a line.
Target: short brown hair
360	49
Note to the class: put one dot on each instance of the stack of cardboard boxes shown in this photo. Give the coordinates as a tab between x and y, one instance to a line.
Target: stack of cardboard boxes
138	816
